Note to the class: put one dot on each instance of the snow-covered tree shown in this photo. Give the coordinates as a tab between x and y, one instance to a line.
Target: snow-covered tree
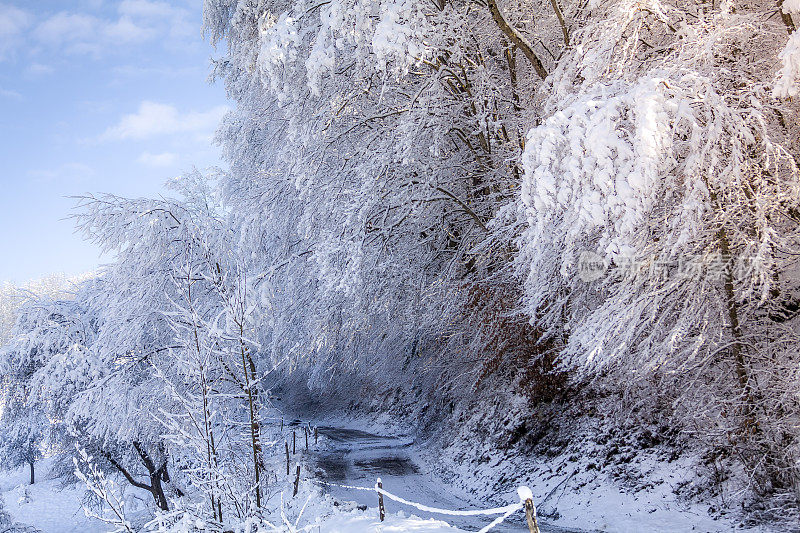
44	332
25	430
664	161
390	161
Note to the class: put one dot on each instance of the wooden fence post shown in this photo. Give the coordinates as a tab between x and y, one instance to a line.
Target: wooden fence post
287	456
296	481
281	424
530	515
305	430
316	435
294	442
381	509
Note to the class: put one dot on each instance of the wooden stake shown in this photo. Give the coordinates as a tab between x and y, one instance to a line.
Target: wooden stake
316	435
530	515
281	424
294	442
381	509
287	457
297	482
305	430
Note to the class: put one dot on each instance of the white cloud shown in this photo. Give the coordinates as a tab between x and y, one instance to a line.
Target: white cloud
13	22
145	8
166	159
127	31
38	69
154	119
8	93
87	34
138	21
154	13
137	71
66	27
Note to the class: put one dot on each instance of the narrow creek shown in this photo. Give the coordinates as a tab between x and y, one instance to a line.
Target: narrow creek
357	458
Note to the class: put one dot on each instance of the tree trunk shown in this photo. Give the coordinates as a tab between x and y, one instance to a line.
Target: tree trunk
787	18
255	430
750	424
211	450
733	312
155	488
30	463
158	491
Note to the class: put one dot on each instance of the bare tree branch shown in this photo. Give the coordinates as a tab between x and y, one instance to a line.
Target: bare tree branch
561	21
517	39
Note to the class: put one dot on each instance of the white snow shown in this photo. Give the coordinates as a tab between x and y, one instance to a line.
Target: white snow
787	83
52	509
45	505
358	521
791	6
525	493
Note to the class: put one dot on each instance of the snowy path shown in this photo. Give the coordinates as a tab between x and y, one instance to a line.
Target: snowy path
356	457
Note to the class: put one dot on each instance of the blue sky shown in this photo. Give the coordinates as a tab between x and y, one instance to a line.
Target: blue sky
96	96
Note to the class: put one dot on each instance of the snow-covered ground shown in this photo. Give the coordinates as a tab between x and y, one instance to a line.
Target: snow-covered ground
359	522
45	505
353	453
571	495
49	508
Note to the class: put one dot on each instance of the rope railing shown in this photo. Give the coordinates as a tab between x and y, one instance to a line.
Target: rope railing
436	510
525	503
351	487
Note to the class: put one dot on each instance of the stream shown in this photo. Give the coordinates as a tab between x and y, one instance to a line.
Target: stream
357	458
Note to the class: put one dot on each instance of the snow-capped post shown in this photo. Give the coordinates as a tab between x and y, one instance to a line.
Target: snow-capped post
287	456
381	509
526	497
296	481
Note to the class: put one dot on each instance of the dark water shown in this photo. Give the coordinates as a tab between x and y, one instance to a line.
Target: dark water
357	458
355	454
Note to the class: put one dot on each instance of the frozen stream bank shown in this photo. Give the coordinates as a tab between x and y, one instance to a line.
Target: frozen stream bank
356	457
